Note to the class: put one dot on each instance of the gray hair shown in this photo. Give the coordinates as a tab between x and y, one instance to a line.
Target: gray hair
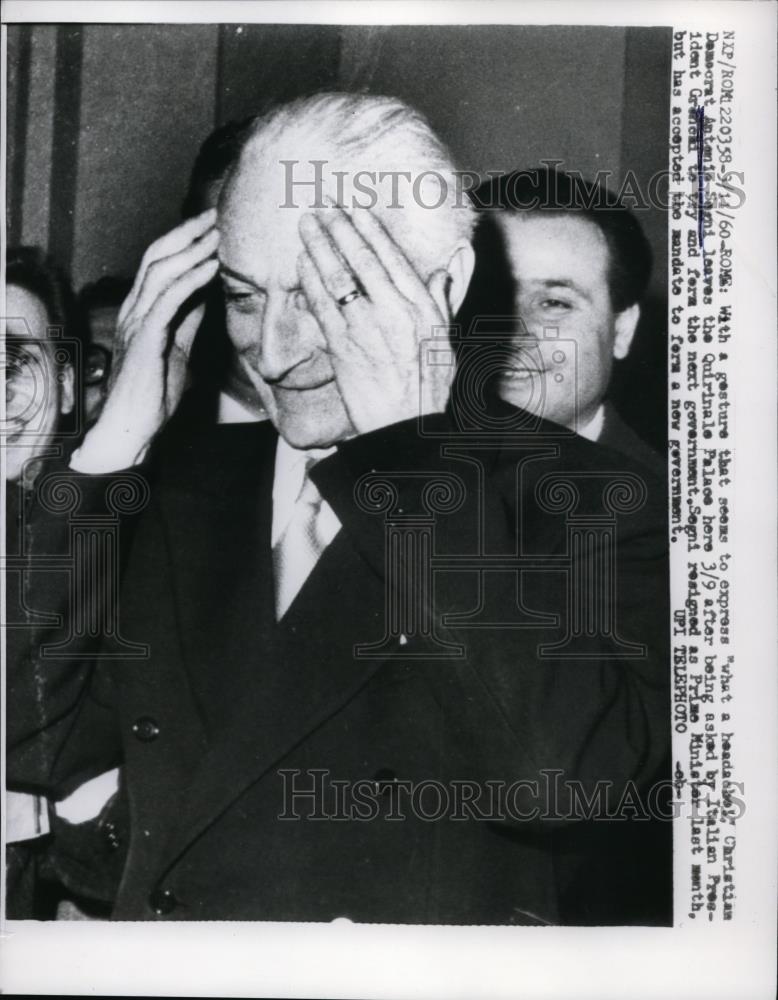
381	140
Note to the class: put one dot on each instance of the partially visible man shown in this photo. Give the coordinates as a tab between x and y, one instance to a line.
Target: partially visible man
39	375
39	395
98	304
577	266
50	862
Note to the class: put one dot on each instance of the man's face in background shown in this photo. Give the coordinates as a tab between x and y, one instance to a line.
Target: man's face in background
39	388
559	264
98	358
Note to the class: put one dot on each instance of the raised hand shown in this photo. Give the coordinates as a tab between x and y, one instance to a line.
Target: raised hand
154	336
375	311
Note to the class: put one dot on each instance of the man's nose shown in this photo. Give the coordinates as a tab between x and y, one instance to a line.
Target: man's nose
527	329
526	335
286	342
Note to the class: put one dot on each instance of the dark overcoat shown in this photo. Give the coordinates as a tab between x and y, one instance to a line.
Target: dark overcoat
489	624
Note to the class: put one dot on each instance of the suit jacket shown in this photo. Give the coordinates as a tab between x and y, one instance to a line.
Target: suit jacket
228	718
619	436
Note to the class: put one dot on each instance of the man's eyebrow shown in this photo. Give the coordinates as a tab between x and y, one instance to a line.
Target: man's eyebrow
567	283
22	338
228	271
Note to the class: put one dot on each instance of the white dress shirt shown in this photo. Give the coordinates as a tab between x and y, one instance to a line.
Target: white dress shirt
288	481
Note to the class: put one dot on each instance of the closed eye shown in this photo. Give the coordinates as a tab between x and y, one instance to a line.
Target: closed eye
243	299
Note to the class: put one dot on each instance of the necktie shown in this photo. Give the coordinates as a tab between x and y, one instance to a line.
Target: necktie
297	551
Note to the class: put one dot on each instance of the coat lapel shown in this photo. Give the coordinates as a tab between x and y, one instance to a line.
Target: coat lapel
267	686
264	686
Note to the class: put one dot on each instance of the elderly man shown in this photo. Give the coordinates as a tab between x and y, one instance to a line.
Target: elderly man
356	688
572	264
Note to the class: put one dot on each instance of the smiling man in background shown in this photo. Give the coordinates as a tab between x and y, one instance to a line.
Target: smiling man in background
575	266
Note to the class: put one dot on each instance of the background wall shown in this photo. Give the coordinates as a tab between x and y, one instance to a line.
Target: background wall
104	121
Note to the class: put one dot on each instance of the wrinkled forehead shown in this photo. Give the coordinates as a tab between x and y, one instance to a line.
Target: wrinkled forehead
262	203
27	317
257	210
555	244
554	230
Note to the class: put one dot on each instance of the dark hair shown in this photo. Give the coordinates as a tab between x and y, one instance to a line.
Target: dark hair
107	292
549	190
212	351
34	271
214	159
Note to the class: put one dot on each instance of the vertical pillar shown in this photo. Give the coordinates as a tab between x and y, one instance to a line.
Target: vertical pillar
92	625
591	629
410	503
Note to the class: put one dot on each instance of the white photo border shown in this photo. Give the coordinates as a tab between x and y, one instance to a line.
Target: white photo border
348	960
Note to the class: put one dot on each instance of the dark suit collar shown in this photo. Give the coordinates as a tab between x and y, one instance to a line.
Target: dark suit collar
214	460
618	435
299	674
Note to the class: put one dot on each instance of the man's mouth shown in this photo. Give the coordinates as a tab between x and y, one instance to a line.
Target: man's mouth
304	387
522	374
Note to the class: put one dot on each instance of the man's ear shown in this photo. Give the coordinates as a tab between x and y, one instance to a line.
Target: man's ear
67	389
449	287
625	325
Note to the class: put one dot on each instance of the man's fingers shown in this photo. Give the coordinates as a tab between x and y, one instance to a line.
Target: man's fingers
336	274
400	270
162	273
176	294
320	301
174	241
187	329
360	257
180	237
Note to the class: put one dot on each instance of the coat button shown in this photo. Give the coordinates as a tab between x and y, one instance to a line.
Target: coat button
145	729
162	902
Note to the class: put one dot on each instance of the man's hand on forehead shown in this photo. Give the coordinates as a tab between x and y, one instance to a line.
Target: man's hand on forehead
375	311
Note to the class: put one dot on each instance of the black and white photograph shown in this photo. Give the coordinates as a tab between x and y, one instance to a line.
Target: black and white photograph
373	486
